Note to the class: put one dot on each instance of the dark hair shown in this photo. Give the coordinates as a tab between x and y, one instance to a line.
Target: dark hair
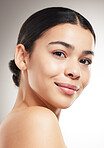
41	21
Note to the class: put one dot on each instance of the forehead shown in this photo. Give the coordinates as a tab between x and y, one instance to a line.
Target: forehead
69	33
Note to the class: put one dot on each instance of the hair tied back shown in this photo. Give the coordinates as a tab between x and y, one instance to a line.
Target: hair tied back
16	72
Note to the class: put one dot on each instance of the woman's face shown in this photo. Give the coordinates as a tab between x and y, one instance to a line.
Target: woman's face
59	67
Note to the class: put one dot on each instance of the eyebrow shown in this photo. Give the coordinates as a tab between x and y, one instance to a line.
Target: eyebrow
86	52
62	43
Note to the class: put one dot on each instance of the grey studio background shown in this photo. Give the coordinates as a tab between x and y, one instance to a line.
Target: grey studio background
82	124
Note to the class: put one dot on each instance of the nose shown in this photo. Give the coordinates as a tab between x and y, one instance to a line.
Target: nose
73	70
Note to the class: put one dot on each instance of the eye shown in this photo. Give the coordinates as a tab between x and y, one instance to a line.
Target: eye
85	61
59	54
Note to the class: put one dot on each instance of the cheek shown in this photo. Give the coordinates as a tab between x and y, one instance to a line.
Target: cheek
41	70
48	68
85	77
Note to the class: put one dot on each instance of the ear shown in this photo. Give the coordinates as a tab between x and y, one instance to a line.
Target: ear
21	57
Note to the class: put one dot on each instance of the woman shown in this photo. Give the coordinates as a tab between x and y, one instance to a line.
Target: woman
51	68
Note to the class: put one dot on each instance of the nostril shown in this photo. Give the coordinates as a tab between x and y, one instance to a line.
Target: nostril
70	74
73	76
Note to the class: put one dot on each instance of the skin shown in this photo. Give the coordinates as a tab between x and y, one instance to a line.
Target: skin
62	55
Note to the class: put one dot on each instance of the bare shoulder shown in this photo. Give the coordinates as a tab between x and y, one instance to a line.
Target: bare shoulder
34	127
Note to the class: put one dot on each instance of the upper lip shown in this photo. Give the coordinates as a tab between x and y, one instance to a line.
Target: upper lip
67	85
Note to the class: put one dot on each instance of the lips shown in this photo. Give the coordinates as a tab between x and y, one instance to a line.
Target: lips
67	88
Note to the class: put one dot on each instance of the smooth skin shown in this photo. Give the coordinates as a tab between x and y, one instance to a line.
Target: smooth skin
62	55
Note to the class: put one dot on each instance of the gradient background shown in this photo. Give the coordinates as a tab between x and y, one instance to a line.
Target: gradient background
82	124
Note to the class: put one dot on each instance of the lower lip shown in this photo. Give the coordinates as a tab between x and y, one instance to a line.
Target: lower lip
67	90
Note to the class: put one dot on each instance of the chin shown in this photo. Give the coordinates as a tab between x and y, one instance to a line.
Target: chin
69	101
65	105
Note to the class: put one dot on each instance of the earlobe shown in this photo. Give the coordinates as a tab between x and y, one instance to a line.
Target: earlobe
21	57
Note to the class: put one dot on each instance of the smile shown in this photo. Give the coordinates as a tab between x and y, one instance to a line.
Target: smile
67	88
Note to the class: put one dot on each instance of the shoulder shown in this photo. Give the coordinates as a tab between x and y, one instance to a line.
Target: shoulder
39	113
42	115
35	127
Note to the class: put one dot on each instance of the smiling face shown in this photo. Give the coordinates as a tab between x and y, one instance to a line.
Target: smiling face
59	67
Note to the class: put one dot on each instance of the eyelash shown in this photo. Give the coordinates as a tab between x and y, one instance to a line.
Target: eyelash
83	61
59	54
